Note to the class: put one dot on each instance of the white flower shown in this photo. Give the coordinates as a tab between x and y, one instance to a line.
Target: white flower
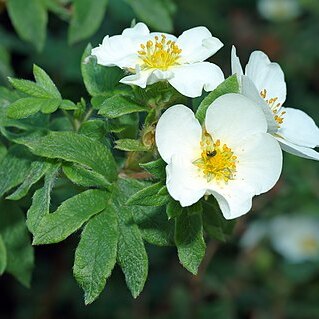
153	57
263	82
231	157
295	237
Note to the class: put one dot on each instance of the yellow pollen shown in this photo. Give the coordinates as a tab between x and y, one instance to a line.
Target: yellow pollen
309	245
275	107
160	54
217	161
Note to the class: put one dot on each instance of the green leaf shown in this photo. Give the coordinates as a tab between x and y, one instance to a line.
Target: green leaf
156	168
132	256
130	145
29	18
95	256
230	85
14	167
37	170
76	148
43	80
189	241
154	195
155	13
3	256
98	79
86	19
68	105
215	225
3	152
30	105
173	209
20	258
41	200
84	177
152	221
96	129
119	105
69	217
30	88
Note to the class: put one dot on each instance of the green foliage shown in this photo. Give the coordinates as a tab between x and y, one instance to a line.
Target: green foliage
19	252
3	256
130	145
29	19
98	79
230	85
156	168
190	241
156	13
96	253
87	17
119	105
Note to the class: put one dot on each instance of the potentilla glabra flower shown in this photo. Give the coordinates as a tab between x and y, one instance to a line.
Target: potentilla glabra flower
151	57
231	157
264	82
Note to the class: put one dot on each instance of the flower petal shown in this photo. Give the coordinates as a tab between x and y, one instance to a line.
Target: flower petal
266	75
259	162
142	78
234	199
139	30
190	79
236	67
183	181
299	128
197	45
297	150
233	118
249	89
178	132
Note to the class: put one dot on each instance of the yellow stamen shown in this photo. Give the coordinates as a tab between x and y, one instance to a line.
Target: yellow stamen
160	54
217	161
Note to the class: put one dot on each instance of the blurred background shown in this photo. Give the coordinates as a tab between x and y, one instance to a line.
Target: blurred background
269	268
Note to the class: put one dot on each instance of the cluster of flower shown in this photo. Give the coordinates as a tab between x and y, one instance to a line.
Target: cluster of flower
236	153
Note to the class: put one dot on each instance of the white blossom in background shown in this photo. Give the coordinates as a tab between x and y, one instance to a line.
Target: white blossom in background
231	157
295	237
263	81
254	234
279	10
151	57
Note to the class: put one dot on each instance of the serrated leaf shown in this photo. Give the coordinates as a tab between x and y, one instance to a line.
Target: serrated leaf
30	88
20	258
41	200
119	105
37	170
152	221
173	209
130	145
3	256
86	19
84	177
68	105
77	148
29	18
156	13
132	256
98	79
30	105
95	256
14	167
156	168
189	241
96	129
43	80
69	217
230	85
154	195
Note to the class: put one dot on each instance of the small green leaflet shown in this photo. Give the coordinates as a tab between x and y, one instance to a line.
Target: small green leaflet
96	253
20	258
156	168
3	256
69	217
230	85
190	241
130	145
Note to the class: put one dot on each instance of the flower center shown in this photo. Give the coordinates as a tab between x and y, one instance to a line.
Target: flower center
160	54
217	161
274	106
309	245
